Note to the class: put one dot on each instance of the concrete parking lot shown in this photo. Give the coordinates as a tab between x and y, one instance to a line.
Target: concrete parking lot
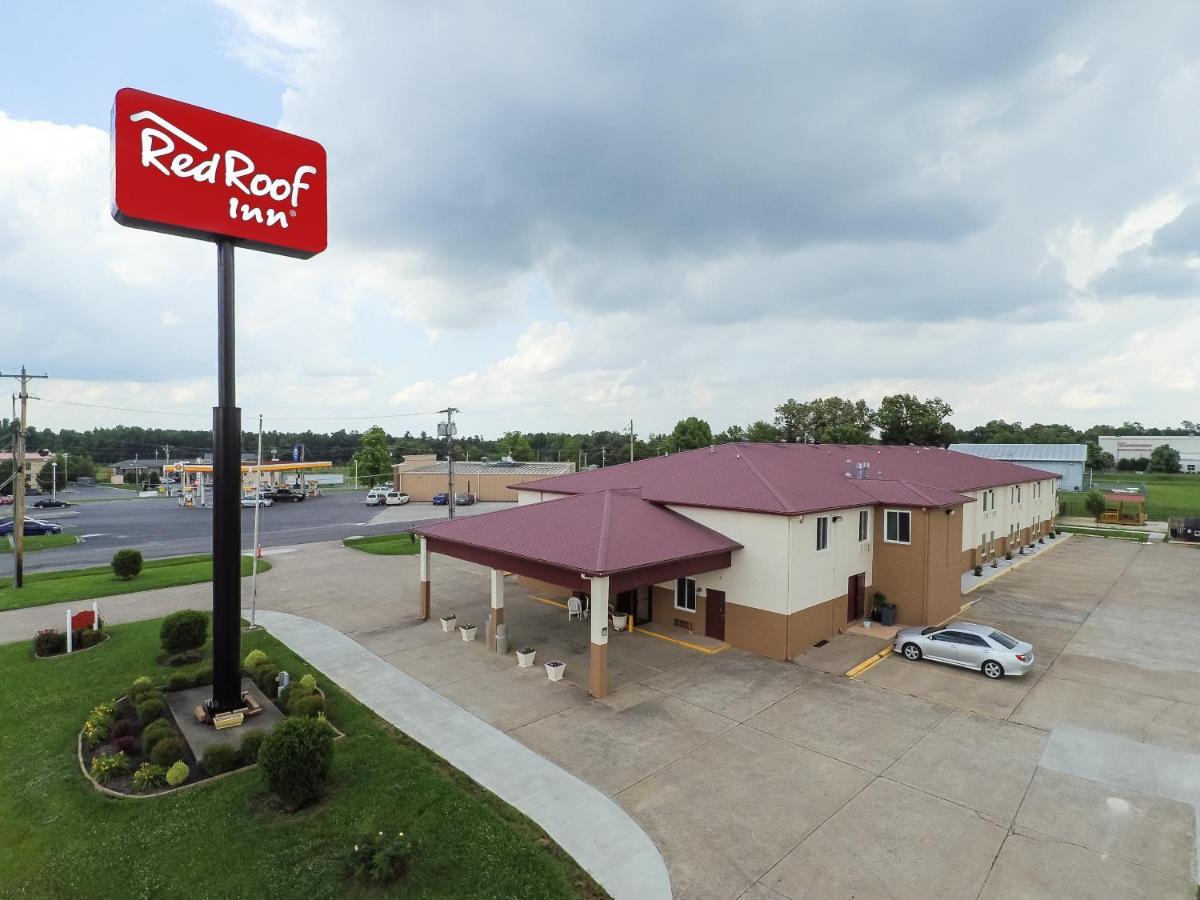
760	778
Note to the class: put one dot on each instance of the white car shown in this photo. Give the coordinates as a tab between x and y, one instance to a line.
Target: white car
395	498
979	647
251	502
375	497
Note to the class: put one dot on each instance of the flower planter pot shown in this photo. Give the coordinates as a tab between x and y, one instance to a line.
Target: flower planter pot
448	623
866	623
620	620
468	633
555	670
525	660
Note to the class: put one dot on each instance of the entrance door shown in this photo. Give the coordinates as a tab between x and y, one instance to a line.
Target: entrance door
856	597
643	610
714	614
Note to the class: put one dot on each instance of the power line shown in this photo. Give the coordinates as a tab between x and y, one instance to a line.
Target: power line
163	412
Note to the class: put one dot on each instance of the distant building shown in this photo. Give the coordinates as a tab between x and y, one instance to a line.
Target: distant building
422	476
33	464
1067	460
1137	446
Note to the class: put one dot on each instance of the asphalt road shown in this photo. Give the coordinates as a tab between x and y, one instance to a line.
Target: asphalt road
160	527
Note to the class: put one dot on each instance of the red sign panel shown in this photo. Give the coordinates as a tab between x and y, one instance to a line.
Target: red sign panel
185	170
85	619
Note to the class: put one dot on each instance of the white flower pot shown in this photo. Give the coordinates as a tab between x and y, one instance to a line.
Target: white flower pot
555	670
525	660
619	621
468	633
448	623
866	623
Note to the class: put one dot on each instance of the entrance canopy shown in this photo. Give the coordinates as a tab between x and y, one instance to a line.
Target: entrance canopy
612	533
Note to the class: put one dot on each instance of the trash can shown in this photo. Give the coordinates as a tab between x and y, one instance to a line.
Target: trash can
502	639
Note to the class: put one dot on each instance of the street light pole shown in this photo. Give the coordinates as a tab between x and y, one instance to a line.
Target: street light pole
54	480
257	513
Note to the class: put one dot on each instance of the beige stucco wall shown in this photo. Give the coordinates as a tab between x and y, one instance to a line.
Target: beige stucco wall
493	486
1038	503
817	577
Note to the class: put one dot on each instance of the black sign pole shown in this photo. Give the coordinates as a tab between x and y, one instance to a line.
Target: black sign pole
227	520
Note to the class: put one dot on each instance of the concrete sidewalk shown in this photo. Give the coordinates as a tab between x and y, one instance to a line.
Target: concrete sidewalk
586	824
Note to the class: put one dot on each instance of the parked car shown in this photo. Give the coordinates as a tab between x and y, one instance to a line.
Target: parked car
395	498
288	495
249	502
971	646
374	497
33	527
464	499
440	500
50	503
6	500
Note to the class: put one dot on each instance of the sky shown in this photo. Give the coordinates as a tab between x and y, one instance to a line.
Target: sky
563	216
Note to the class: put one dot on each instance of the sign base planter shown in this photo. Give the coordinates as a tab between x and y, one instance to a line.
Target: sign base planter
555	670
448	623
525	658
468	632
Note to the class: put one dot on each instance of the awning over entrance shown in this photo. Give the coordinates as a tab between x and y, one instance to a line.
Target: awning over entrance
601	543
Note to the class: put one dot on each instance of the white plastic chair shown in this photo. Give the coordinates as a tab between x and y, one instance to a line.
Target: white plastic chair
574	609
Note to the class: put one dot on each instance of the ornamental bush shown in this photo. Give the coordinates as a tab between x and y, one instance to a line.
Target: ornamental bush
250	747
154	733
295	759
184	630
168	751
90	638
202	676
49	642
139	687
128	745
109	766
378	858
150	709
123	728
179	682
98	724
308	683
310	706
178	774
148	776
220	758
253	658
127	563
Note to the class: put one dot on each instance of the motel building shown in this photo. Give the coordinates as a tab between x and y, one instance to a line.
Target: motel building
770	548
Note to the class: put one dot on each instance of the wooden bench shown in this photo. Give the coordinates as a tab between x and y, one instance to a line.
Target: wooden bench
228	720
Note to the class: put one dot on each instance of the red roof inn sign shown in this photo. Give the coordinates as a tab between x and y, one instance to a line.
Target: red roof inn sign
189	171
196	173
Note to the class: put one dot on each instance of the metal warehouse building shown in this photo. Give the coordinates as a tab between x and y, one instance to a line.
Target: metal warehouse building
1136	446
1067	460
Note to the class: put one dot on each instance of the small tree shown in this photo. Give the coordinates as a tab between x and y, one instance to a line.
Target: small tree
1164	458
295	758
1093	501
127	563
184	630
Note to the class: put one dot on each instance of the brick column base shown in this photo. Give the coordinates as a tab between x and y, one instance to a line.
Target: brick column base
598	677
424	601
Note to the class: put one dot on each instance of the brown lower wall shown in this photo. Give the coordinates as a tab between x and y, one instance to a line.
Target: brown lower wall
665	612
756	630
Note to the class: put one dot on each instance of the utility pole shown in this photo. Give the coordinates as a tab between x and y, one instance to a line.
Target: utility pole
631	440
447	429
19	475
66	478
603	456
54	480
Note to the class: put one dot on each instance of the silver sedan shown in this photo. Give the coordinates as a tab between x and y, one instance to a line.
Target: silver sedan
978	647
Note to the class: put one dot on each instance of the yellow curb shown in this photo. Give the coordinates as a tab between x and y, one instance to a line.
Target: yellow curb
550	602
662	637
867	663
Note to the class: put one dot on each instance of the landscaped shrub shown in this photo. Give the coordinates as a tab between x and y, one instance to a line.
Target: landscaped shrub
179	682
139	687
250	747
379	858
90	638
168	750
178	774
148	776
98	724
265	675
308	683
123	728
109	766
128	744
202	676
150	709
127	563
220	758
183	631
154	733
295	759
311	706
49	642
253	658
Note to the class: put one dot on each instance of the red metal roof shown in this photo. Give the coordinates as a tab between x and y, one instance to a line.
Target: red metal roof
791	479
599	533
1124	498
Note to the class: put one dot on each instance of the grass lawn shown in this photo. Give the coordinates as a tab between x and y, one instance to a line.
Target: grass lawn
1140	537
60	838
386	544
89	584
40	542
1166	495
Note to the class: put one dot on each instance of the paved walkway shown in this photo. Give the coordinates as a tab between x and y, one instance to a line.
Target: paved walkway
586	824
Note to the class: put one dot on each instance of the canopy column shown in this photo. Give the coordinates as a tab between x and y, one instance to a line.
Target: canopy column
496	618
598	651
424	584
